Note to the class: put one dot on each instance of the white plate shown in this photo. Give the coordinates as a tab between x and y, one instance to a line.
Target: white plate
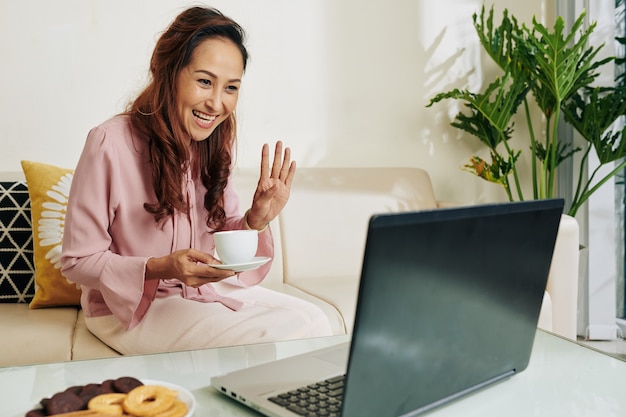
247	266
183	394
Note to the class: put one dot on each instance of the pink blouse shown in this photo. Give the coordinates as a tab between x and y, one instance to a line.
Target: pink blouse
109	236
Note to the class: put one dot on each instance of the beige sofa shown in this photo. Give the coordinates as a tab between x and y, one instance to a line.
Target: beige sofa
319	240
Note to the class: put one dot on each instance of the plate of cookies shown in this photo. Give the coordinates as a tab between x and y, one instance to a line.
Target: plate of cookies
125	396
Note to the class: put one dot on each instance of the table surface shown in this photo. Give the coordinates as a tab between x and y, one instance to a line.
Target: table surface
563	378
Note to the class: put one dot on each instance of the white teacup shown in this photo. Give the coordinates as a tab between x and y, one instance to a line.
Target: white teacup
236	246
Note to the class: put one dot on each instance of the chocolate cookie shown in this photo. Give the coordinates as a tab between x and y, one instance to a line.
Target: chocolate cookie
76	397
88	392
107	386
44	402
76	389
126	384
64	402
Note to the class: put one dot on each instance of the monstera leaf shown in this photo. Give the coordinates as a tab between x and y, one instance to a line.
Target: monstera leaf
594	117
490	114
491	111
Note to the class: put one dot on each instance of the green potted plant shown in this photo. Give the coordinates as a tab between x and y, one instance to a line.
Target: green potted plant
558	70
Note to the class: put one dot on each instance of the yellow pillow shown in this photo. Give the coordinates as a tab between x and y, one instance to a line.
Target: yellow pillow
49	188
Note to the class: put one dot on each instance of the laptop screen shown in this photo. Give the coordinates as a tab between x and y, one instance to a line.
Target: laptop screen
448	302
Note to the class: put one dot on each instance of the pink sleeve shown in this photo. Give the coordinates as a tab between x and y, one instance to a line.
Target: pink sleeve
87	258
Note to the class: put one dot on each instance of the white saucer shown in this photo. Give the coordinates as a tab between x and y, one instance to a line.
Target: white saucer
183	394
247	266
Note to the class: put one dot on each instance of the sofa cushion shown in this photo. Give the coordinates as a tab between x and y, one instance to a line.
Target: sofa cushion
49	187
339	292
86	345
36	336
16	244
325	222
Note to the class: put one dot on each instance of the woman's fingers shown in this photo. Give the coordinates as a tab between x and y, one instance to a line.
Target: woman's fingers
284	170
278	160
282	166
198	269
265	161
291	172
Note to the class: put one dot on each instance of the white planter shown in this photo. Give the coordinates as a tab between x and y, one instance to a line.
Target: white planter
562	288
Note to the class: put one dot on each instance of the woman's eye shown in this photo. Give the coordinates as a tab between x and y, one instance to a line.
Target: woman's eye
205	82
232	88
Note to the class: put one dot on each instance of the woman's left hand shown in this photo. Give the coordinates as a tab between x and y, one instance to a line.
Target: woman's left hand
273	189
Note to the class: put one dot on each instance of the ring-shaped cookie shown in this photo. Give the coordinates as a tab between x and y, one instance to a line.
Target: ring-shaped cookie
178	409
107	403
148	400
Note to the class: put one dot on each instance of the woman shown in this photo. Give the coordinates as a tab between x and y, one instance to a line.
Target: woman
151	187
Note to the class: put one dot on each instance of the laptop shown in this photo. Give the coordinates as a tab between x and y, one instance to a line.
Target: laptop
448	304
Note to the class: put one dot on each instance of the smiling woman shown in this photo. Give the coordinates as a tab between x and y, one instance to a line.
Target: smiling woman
151	188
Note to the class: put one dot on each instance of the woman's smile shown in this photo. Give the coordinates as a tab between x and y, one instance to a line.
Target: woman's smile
204	120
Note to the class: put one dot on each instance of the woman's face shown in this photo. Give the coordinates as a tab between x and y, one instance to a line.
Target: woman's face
208	87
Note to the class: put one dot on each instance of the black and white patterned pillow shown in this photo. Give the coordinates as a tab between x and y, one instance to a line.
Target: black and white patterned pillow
17	271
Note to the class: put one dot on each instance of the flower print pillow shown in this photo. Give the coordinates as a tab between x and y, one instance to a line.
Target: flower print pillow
49	189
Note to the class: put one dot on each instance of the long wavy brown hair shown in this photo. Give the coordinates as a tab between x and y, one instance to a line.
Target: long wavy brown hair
154	114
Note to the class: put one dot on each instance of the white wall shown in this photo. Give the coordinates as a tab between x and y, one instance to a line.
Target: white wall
343	82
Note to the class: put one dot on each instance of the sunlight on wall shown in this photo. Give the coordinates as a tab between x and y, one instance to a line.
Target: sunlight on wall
344	83
454	58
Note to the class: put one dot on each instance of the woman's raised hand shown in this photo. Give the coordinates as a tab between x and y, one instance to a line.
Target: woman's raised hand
274	186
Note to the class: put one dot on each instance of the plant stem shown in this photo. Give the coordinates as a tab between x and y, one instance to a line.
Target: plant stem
507	188
514	166
543	174
533	147
583	163
576	204
553	150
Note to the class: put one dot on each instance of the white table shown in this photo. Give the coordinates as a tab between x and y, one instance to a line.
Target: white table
563	379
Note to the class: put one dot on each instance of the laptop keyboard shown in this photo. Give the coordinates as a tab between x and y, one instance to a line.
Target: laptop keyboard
320	399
